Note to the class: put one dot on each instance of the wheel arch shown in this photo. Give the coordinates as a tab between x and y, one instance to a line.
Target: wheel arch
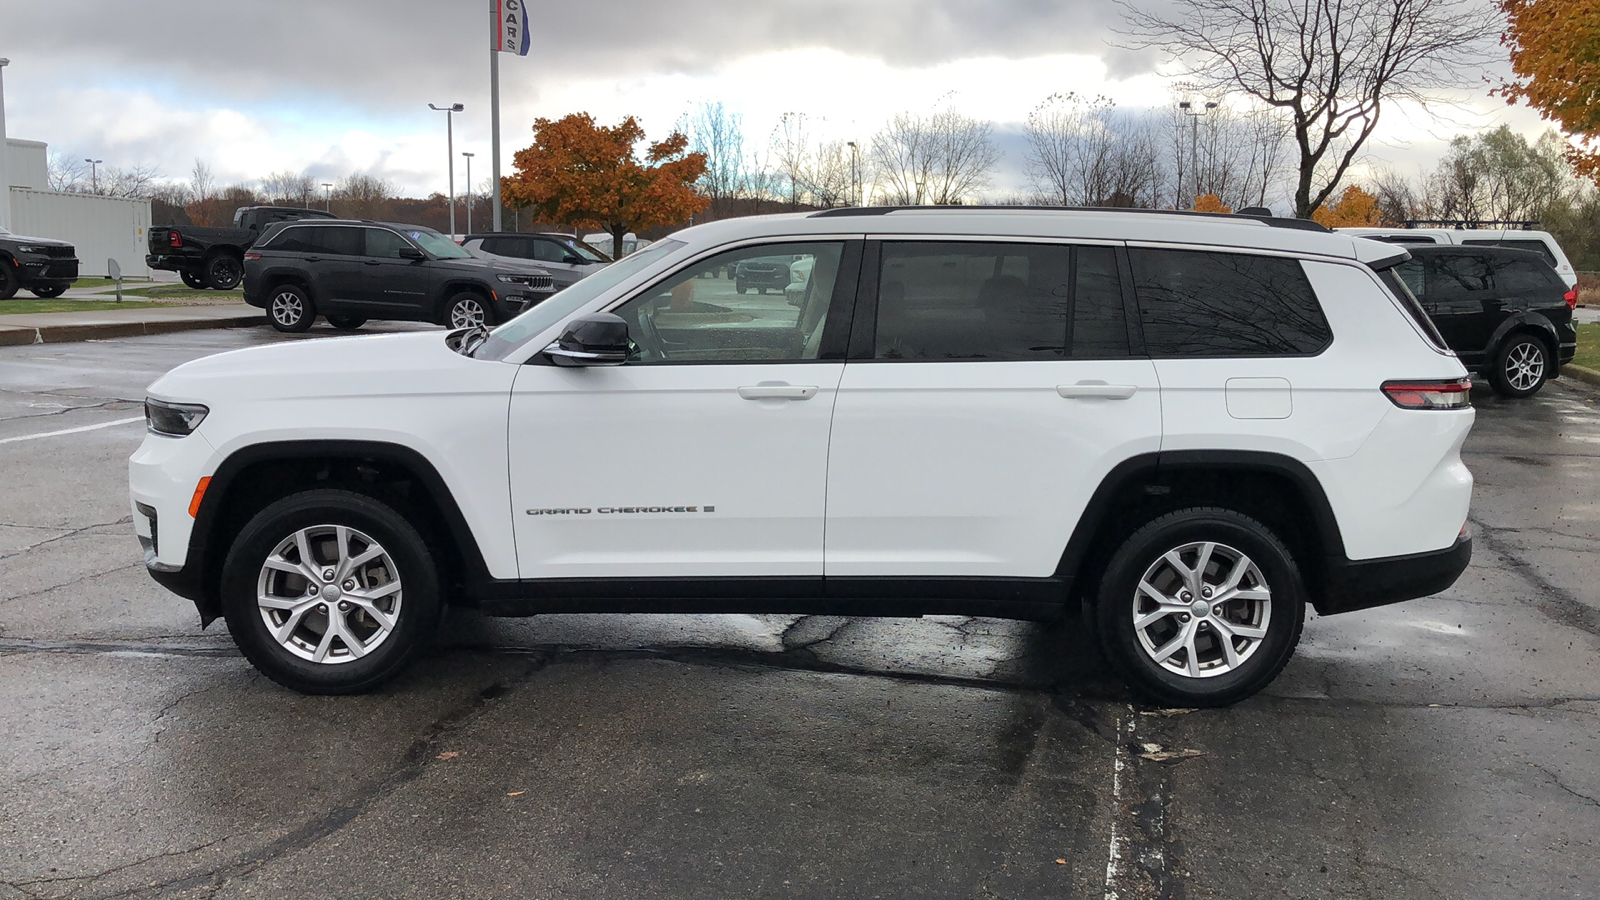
1531	323
1277	490
259	474
447	290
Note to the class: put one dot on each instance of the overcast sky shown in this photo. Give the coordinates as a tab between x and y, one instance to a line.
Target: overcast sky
336	86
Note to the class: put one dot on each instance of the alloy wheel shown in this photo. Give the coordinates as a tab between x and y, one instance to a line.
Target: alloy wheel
1202	609
467	314
329	594
287	309
1525	365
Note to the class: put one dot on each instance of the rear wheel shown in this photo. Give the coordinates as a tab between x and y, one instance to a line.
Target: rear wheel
330	592
466	310
739	286
1200	607
1521	366
192	279
223	272
290	308
49	291
347	323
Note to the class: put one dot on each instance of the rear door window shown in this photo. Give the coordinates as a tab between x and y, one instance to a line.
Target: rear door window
1460	277
1195	303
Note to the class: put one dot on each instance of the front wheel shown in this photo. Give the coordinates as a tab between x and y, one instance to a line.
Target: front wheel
49	291
8	282
224	272
1200	607
1521	366
192	279
330	592
468	310
290	308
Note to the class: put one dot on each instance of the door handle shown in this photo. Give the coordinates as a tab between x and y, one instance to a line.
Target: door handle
313	259
1098	390
778	391
372	262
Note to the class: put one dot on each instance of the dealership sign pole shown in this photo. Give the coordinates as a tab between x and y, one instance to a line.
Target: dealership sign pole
508	33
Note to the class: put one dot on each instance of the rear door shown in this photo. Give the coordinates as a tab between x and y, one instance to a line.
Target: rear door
991	386
1466	309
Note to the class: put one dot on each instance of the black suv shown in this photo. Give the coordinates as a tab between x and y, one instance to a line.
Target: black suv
762	273
44	266
1505	312
352	271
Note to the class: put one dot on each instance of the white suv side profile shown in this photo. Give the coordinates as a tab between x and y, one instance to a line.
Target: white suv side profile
1191	425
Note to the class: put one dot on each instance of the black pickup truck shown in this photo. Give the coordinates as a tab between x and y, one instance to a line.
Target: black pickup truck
44	266
214	257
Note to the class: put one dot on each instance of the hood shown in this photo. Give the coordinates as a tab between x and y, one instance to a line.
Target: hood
27	239
486	266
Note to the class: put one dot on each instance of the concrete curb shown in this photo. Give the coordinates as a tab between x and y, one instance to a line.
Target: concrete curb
1581	373
17	335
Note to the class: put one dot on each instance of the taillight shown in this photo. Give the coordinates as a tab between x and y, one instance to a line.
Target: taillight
174	239
1455	394
252	256
1572	298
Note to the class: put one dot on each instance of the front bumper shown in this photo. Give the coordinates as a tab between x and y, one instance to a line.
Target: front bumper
1350	585
519	300
39	271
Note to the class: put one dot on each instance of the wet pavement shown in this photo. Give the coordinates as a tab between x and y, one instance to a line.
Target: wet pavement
1447	747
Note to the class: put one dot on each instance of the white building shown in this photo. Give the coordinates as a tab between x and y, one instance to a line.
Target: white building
101	228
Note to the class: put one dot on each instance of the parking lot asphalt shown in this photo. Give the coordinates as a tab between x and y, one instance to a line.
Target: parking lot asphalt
1445	747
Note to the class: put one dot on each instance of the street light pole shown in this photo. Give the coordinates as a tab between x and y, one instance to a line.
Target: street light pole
94	173
450	154
327	203
855	175
1194	143
469	190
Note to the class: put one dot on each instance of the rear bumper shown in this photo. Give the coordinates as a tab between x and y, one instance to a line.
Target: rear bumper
1363	584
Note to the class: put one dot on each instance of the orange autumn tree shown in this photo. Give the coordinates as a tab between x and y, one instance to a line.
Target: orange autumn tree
1354	207
1555	55
591	176
1211	203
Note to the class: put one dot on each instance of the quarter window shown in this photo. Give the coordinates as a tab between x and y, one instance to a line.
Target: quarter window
1522	276
998	301
699	314
1202	303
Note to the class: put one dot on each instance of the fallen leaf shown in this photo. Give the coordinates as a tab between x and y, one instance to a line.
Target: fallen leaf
448	754
1155	753
516	793
1166	713
1061	862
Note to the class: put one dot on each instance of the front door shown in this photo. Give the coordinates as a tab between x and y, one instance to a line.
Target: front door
391	283
705	455
977	418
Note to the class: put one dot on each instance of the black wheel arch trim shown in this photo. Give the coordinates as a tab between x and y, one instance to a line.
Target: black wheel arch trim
199	579
1527	320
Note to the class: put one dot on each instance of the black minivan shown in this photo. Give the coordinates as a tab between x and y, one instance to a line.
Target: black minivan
1506	313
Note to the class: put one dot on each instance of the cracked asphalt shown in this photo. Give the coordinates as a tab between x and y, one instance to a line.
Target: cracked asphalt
1445	747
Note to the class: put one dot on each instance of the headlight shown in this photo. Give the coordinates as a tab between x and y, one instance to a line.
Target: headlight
173	419
518	279
30	248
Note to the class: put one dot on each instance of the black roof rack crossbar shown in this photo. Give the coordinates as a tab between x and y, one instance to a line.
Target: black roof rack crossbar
1519	224
1274	221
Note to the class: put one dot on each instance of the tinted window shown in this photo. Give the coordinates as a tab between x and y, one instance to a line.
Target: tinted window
384	243
1411	273
996	301
1537	246
1198	303
548	251
1459	276
698	315
1523	276
325	239
505	246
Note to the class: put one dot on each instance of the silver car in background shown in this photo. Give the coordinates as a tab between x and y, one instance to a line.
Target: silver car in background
567	260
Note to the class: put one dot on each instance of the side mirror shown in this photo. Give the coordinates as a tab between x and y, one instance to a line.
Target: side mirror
600	339
573	260
412	253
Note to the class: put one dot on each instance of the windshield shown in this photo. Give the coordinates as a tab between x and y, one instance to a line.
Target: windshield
507	337
586	251
438	245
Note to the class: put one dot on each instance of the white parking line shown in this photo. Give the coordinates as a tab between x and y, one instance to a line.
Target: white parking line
82	428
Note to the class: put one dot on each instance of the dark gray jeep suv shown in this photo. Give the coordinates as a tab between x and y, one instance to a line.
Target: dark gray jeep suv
353	271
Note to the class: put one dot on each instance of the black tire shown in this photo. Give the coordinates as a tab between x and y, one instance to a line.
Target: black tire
8	280
738	285
49	291
415	605
466	309
1520	366
224	271
1132	651
347	323
193	279
290	309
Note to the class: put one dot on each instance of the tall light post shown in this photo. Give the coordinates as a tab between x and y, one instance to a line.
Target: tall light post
94	173
327	200
450	154
5	176
855	175
469	190
1194	142
919	193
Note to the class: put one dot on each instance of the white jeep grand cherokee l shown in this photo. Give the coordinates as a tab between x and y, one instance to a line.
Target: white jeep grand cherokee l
1191	424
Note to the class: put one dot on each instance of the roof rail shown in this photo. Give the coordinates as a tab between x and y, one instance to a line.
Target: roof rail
1273	221
1519	224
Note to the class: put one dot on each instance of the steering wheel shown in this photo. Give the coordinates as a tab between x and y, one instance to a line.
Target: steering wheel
650	334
